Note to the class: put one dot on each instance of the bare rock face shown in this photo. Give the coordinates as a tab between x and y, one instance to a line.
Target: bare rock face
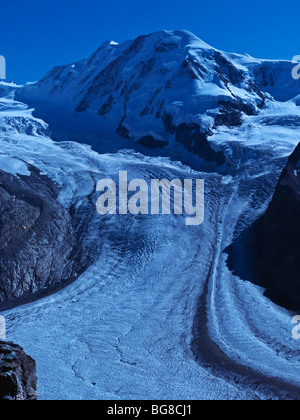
151	143
196	142
17	374
37	239
231	113
280	237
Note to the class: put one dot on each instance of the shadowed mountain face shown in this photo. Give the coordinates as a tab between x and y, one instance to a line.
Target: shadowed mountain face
17	374
37	239
267	252
280	236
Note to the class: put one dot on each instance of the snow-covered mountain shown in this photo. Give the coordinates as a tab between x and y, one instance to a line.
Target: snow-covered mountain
168	90
159	313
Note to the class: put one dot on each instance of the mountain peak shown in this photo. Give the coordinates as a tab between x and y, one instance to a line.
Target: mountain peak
109	43
175	38
183	37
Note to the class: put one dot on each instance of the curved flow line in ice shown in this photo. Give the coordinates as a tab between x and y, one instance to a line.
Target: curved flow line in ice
208	343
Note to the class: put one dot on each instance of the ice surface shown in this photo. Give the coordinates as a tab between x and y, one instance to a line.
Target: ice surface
13	165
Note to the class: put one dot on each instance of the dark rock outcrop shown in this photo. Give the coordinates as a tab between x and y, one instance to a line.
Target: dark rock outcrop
17	374
151	143
37	240
231	113
196	142
280	237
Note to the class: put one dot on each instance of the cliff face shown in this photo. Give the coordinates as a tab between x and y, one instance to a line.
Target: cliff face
36	237
17	373
280	236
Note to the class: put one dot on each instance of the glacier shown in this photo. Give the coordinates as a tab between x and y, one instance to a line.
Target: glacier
158	315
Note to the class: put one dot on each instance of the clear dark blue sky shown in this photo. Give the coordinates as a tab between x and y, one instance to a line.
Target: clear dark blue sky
35	35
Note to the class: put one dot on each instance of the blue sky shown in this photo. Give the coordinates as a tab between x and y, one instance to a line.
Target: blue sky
38	34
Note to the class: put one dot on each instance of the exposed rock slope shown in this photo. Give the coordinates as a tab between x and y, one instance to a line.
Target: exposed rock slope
280	236
36	237
17	373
